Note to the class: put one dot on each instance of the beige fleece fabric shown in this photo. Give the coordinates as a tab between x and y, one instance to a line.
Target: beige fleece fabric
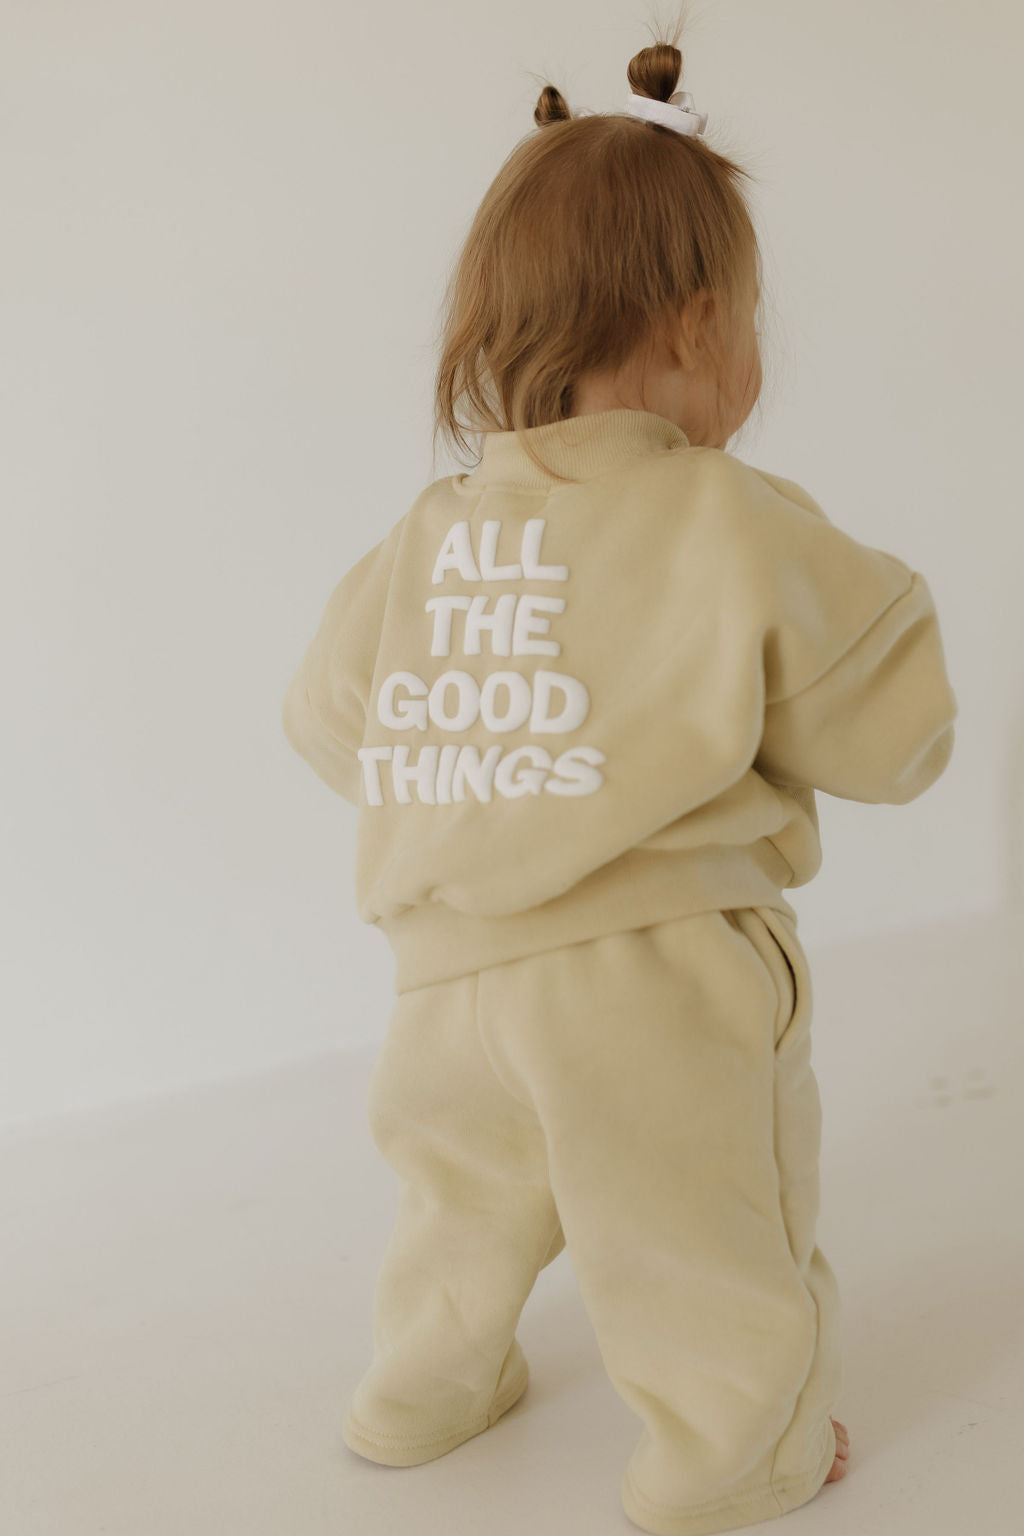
584	723
565	708
646	1099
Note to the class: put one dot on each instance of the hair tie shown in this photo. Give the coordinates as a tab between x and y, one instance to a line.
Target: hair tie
678	112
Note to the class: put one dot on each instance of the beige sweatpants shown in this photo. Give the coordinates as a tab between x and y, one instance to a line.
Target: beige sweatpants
646	1100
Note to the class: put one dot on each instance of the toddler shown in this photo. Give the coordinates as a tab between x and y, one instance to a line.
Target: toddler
583	696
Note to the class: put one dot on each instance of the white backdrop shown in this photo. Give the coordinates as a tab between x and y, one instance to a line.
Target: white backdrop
226	233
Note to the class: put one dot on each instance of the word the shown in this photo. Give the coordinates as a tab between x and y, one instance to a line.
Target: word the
511	624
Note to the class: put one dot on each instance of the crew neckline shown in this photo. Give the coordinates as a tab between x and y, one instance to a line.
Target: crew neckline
578	446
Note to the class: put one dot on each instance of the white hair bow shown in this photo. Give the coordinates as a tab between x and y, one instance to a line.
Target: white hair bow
678	112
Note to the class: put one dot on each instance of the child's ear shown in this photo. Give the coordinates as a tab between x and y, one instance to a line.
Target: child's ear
687	331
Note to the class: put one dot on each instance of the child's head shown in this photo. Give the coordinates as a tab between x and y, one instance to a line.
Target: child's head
612	262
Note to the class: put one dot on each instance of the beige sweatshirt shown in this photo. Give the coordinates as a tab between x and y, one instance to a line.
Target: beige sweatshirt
564	710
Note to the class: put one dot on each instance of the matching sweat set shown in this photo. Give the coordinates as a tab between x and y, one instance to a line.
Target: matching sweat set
583	721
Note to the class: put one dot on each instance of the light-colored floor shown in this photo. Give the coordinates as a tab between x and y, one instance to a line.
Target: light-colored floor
187	1287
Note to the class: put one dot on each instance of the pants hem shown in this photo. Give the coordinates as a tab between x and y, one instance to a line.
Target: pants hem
393	1451
765	1503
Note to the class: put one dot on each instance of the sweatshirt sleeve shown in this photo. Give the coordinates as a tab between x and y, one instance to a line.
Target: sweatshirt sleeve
864	710
324	710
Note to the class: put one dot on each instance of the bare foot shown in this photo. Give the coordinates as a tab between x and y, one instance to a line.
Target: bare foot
842	1452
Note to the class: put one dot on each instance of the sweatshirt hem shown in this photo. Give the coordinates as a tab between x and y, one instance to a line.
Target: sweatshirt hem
434	942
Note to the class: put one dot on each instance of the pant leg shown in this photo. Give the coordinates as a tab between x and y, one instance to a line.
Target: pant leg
681	1144
797	1148
476	1222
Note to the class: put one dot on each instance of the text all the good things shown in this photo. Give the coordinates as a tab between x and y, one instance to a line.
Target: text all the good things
548	702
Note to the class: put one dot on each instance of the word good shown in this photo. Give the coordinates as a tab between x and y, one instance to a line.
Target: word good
504	702
545	702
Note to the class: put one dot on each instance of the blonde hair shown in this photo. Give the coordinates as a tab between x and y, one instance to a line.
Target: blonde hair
596	229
